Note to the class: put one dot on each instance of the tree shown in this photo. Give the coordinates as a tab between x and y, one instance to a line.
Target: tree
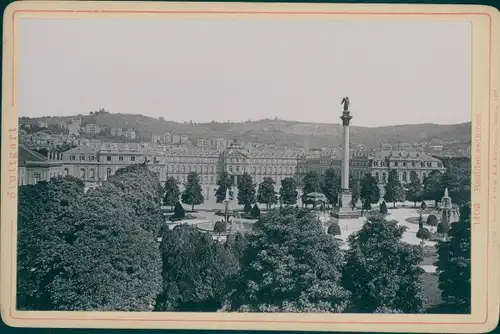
453	265
366	206
255	211
383	208
102	252
288	191
381	270
220	227
144	193
415	188
311	183
247	208
196	270
192	194
172	192
433	189
179	211
443	227
246	190
237	244
266	194
432	220
224	183
394	191
40	235
424	234
369	189
331	186
290	265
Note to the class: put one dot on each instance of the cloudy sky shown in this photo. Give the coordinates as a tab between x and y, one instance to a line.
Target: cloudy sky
204	70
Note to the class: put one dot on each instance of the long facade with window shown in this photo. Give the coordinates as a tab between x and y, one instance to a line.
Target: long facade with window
95	164
377	162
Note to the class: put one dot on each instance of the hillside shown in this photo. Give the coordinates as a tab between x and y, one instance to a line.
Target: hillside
282	132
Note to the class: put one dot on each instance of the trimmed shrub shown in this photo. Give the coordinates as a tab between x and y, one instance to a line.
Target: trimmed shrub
423	206
255	211
220	227
179	211
383	208
424	234
443	228
334	229
432	220
247	208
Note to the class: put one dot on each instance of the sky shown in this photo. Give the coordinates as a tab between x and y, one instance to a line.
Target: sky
184	69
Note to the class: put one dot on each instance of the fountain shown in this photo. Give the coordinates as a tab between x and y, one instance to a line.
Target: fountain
446	210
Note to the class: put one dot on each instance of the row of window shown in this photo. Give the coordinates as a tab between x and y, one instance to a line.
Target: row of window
406	164
263	169
186	160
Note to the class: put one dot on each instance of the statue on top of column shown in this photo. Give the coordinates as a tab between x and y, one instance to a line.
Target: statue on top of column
345	102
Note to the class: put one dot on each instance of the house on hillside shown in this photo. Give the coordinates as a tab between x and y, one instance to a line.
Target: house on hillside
167	138
184	139
92	129
130	134
116	132
176	139
156	139
74	129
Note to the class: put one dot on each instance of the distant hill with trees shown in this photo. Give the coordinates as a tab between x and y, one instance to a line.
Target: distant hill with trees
277	131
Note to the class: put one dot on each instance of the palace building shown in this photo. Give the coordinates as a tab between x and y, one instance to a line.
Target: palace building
376	162
96	163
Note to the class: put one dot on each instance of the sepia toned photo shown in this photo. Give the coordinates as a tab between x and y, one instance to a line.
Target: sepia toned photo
206	165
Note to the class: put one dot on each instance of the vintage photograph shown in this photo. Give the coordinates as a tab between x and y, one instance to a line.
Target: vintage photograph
199	164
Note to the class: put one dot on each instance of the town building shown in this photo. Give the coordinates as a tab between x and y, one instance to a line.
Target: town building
376	162
74	129
92	129
176	139
184	139
167	138
94	162
156	138
130	134
34	167
116	132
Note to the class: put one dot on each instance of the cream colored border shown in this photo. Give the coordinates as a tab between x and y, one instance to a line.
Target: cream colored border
485	122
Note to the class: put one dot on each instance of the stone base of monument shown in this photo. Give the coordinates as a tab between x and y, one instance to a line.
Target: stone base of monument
345	210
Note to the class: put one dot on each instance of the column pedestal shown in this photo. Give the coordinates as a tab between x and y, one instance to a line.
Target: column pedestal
344	210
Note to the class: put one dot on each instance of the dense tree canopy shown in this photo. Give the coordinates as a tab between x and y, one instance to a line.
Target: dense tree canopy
381	270
267	194
196	270
101	253
331	186
144	193
246	190
290	265
224	183
192	194
454	266
415	188
41	236
288	191
394	191
433	187
369	189
311	183
172	192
